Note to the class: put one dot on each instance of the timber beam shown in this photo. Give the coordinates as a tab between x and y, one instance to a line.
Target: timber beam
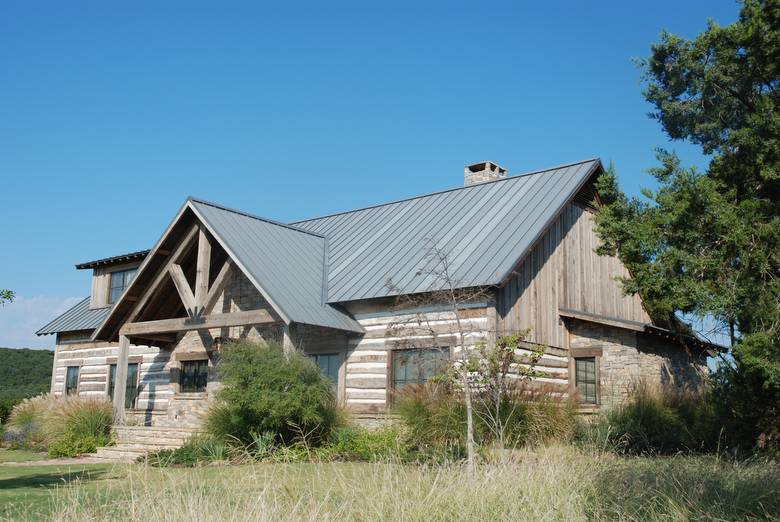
186	324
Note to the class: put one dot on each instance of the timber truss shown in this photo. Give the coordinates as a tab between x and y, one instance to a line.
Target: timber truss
197	304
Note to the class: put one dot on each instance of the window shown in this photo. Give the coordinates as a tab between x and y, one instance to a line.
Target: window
585	378
131	390
329	364
419	365
119	281
72	380
194	376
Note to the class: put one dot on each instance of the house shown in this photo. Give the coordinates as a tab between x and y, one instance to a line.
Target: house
155	319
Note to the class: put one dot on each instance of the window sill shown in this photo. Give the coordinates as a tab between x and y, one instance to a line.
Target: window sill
192	395
588	408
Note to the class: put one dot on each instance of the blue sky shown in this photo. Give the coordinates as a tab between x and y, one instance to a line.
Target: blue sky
112	114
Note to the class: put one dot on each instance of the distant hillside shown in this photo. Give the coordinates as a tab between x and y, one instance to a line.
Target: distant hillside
23	373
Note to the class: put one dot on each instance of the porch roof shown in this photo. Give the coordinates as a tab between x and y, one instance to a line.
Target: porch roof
79	317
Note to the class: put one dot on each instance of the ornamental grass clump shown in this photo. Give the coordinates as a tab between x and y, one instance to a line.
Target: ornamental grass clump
66	426
660	421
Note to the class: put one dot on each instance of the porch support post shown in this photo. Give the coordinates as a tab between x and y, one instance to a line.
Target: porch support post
287	344
120	382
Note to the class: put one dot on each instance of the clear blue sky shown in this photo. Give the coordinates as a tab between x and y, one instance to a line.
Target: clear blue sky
111	115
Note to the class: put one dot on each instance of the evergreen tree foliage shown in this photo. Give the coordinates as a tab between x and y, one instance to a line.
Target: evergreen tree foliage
708	243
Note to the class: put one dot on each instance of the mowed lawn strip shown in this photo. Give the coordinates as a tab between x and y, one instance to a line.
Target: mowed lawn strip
7	455
26	491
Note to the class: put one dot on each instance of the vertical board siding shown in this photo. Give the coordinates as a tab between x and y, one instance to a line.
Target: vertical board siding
564	271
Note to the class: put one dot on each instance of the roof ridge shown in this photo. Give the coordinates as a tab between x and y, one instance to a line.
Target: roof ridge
253	216
420	196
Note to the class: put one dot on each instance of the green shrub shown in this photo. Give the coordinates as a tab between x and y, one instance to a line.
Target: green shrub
351	443
71	445
265	391
201	450
6	406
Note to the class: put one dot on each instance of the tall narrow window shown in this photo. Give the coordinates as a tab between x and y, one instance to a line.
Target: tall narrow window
119	281
419	365
585	378
72	380
194	376
131	390
329	364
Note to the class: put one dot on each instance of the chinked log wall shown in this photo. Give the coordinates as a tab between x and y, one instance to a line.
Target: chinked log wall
368	363
157	400
94	360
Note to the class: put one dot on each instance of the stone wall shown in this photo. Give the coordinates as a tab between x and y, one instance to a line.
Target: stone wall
629	358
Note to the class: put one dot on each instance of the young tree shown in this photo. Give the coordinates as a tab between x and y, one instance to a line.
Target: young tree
446	293
707	244
485	369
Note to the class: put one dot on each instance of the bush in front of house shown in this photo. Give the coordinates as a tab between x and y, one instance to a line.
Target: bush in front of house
352	443
267	391
656	422
199	450
75	425
66	426
434	419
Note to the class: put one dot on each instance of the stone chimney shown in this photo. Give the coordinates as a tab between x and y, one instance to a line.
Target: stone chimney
481	172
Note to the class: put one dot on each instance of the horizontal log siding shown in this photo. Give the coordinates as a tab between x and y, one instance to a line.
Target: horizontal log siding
563	271
367	380
94	361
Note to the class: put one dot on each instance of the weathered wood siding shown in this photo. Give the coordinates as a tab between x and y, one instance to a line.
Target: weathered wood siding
563	271
101	280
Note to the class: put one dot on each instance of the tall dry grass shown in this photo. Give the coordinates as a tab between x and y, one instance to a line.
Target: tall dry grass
66	425
550	483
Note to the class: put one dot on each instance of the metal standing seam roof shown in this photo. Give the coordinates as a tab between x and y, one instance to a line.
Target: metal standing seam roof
80	317
483	229
286	264
131	256
304	269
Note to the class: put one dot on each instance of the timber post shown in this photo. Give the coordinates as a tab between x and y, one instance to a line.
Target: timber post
120	380
287	344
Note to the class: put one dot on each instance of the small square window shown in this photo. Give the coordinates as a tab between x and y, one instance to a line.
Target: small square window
119	281
72	380
193	376
585	379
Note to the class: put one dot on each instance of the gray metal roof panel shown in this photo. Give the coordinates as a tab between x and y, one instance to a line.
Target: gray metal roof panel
369	246
287	264
80	317
122	258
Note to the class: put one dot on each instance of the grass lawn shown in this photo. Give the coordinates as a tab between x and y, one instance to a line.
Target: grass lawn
27	492
7	455
557	483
